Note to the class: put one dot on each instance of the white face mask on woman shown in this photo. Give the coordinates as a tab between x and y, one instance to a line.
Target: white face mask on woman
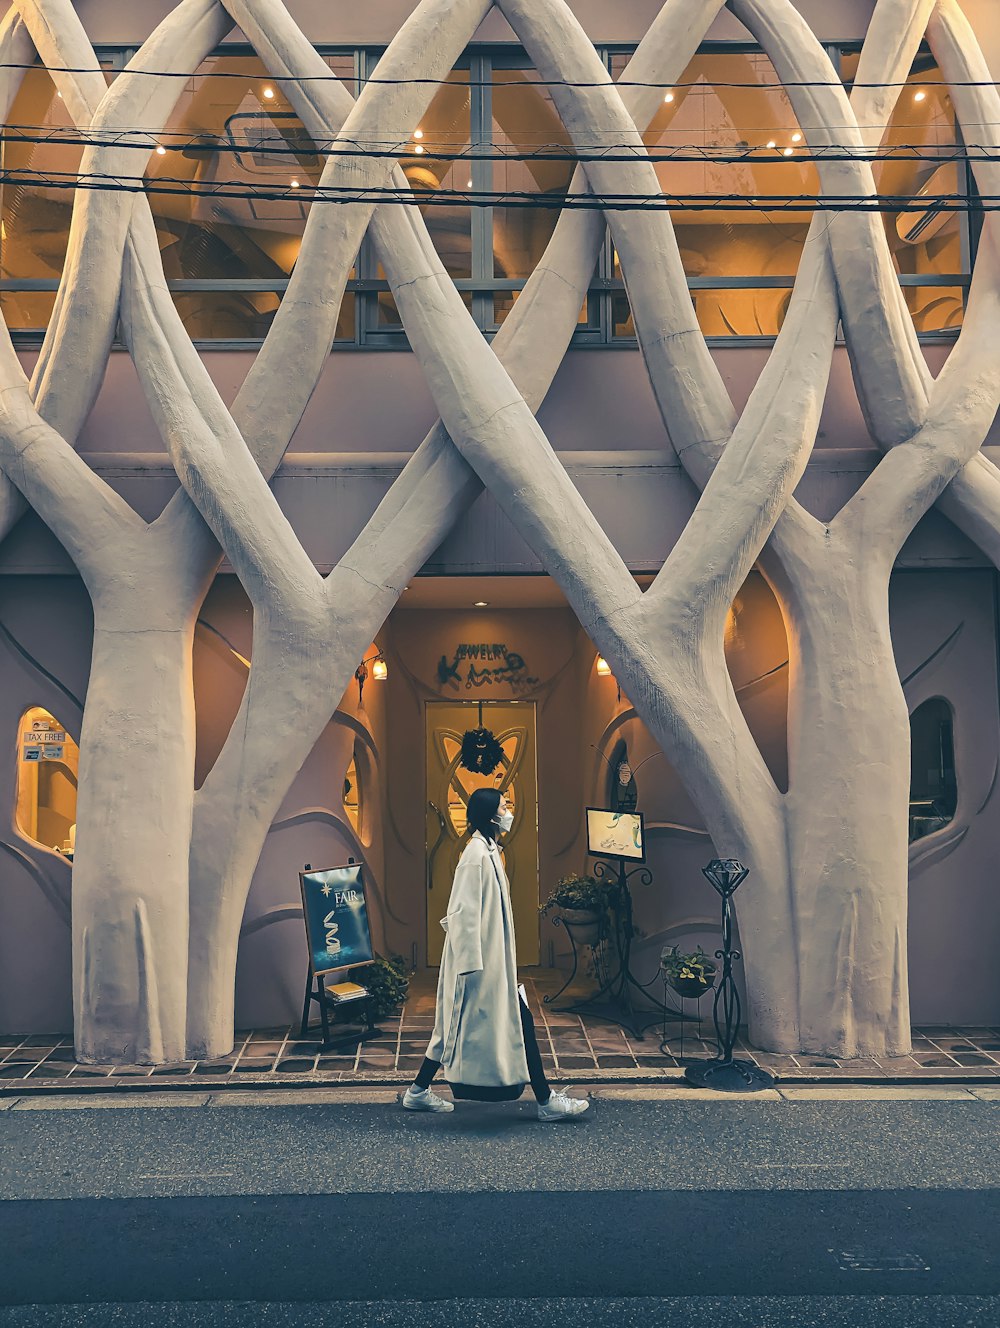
504	820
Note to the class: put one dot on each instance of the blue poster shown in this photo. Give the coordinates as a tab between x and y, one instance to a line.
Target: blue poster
336	914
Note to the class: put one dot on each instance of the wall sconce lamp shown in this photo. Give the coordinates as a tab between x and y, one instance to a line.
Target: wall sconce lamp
380	671
604	671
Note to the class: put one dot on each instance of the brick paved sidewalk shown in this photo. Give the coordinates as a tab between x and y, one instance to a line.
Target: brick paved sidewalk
574	1049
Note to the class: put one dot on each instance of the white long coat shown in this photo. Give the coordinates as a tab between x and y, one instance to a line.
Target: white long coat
477	1029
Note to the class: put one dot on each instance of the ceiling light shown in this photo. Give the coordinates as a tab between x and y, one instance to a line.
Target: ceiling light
796	138
269	93
919	96
418	149
481	604
603	667
789	152
161	151
771	143
418	133
380	670
669	97
469	185
295	184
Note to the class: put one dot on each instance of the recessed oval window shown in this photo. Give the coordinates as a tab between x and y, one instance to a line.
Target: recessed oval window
933	786
48	763
353	793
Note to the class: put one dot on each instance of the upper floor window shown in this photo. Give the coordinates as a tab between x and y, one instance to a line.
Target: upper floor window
225	175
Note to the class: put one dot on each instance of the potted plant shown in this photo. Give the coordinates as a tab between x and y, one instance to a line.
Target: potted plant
582	902
387	982
688	974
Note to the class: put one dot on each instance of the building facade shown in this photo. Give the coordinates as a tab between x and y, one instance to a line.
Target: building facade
777	720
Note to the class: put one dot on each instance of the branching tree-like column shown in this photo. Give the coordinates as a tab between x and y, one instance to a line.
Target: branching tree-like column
308	634
481	406
840	944
146	580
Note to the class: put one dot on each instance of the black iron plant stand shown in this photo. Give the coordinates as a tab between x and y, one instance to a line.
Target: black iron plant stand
724	1074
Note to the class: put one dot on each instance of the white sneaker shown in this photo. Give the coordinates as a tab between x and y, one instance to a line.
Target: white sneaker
561	1106
423	1099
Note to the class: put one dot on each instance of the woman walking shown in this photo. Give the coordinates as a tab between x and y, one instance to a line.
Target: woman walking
484	1036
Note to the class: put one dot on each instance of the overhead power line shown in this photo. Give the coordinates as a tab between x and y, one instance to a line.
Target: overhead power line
514	198
725	154
533	83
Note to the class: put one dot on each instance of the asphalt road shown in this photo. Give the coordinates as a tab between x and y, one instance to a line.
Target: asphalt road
755	1213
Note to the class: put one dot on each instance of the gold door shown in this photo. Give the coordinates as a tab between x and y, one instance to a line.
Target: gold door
449	788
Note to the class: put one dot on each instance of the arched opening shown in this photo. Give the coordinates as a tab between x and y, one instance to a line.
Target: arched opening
933	786
48	762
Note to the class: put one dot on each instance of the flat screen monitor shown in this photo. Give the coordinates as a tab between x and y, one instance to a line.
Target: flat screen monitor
615	834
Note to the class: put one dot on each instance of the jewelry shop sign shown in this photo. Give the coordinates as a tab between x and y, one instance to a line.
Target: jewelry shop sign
474	665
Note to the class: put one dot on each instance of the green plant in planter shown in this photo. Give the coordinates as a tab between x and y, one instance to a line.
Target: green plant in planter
690	974
387	981
585	893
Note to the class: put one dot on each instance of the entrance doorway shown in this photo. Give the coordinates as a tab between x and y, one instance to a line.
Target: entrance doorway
449	788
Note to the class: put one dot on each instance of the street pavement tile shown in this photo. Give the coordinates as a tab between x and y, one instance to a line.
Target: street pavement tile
933	1059
972	1058
92	1071
48	1040
616	1062
60	1070
180	1070
575	1062
295	1066
253	1065
271	1048
211	1068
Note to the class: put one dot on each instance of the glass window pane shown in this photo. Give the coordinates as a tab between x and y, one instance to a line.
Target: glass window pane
926	239
34	217
236	315
731	104
27	311
503	302
933	787
722	311
47	771
525	123
445	131
233	126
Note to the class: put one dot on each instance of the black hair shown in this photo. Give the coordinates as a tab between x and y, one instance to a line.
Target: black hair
483	807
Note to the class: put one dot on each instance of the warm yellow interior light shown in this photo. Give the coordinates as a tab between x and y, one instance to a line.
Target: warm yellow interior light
603	667
380	670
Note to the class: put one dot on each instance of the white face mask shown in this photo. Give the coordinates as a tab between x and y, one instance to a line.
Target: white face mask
505	820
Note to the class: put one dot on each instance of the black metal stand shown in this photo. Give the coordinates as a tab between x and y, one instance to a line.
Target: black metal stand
674	1016
613	1002
316	991
724	1074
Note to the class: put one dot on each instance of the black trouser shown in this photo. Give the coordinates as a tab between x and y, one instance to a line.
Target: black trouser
536	1074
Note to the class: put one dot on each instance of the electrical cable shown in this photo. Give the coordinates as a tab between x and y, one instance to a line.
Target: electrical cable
264	75
724	154
889	203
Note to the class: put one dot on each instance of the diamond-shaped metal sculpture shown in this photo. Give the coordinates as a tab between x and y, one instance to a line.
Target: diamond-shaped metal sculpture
726	874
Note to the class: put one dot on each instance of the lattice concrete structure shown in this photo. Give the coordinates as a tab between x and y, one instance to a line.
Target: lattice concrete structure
823	915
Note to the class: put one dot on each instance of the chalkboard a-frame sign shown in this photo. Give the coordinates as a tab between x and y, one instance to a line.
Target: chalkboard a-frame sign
336	914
